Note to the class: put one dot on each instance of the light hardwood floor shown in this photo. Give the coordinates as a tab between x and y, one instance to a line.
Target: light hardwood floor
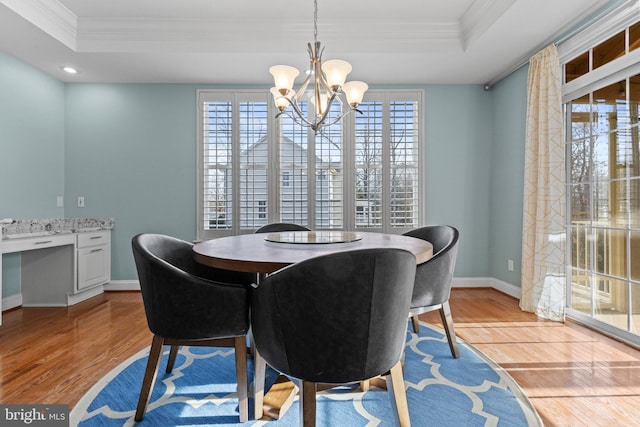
573	375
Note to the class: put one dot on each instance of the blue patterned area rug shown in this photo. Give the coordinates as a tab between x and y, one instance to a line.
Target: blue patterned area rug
441	391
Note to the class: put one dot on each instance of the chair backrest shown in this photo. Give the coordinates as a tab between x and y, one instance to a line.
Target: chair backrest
433	277
180	298
281	226
336	318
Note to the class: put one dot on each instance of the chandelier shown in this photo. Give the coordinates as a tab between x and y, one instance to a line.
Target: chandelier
328	87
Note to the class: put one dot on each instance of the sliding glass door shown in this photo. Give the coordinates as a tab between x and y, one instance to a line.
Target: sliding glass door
601	93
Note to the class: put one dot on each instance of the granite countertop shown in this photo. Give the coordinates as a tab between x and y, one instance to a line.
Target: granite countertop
23	228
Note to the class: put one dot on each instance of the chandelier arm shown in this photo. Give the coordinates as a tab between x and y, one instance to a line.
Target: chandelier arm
324	115
295	119
340	117
294	105
302	89
343	113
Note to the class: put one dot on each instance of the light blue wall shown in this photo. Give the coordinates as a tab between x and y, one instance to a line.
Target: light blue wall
130	150
32	141
507	175
458	158
32	147
131	154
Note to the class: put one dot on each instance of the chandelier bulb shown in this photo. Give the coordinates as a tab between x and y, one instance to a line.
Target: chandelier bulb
284	76
336	71
354	92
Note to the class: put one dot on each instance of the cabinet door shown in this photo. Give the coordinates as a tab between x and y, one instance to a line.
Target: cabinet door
93	266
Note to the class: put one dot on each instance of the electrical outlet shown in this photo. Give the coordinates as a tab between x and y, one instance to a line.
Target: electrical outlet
510	264
80	202
60	201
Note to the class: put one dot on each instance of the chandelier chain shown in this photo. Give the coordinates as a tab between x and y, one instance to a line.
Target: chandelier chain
315	20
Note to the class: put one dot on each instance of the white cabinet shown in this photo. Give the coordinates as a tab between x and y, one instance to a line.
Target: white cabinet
93	259
59	269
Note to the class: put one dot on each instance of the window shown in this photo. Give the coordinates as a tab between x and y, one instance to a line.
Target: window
602	105
362	173
262	209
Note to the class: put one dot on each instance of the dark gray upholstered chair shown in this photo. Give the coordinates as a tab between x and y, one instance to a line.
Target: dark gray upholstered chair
433	279
336	319
189	304
281	226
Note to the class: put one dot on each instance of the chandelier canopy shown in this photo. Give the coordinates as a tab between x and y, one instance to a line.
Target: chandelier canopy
328	87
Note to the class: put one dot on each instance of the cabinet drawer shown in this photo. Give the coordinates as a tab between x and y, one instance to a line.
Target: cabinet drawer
94	239
93	266
31	243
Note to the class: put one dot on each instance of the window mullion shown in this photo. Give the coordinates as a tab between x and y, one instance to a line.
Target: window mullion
349	173
235	161
311	175
273	168
386	164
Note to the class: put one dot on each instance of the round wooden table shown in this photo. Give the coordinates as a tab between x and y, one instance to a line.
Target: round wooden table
265	253
261	253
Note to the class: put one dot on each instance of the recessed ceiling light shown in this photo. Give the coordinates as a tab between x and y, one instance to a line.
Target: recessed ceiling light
70	70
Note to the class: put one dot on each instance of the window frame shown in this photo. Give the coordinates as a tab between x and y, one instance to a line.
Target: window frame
622	68
273	169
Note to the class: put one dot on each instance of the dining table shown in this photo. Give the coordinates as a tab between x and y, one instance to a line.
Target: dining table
265	253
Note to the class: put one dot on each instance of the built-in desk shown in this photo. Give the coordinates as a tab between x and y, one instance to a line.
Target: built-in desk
60	268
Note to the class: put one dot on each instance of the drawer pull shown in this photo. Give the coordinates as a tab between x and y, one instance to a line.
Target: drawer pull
96	237
44	242
96	250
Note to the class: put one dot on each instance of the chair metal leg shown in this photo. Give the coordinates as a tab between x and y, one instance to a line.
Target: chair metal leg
150	374
447	322
240	345
415	322
398	396
258	384
308	404
173	352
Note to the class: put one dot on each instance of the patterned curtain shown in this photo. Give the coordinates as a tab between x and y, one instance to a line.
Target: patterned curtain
543	234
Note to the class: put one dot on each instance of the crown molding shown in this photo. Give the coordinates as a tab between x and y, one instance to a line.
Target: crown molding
51	16
481	15
103	34
200	35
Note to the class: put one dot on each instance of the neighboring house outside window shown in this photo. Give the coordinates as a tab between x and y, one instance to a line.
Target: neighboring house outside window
254	169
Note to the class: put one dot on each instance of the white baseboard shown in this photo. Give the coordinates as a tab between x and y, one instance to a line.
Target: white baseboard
506	288
84	295
122	285
458	282
11	301
487	282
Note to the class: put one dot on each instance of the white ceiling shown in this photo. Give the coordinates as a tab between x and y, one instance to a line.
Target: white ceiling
235	42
